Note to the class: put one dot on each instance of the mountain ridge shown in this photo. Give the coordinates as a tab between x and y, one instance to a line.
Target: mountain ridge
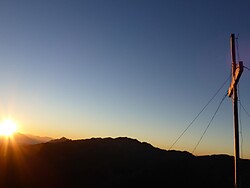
114	162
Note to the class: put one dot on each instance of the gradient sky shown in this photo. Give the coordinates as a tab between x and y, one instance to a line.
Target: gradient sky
136	68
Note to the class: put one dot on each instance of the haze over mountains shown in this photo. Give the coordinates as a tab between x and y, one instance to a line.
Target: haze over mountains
21	138
112	162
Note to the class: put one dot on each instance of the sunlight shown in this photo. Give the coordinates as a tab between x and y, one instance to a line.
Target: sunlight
7	127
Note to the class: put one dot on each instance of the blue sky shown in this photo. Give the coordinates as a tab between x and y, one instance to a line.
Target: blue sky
142	69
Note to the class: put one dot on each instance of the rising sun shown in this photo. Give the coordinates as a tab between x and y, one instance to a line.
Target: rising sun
8	128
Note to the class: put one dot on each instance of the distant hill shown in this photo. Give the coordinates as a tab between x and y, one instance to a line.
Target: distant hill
113	162
63	139
39	139
25	139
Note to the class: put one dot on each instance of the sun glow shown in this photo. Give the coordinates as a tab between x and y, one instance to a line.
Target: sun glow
7	128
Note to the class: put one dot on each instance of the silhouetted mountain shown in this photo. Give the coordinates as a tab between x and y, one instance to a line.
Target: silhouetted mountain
63	139
20	138
40	139
108	162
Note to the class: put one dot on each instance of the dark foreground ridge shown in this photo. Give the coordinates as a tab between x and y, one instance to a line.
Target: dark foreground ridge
108	162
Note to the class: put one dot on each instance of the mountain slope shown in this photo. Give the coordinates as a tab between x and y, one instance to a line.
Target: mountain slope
39	139
108	162
20	138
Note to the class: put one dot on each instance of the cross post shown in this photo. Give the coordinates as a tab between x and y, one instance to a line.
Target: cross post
232	92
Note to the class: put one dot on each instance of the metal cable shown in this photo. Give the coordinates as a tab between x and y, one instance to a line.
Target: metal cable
200	112
209	123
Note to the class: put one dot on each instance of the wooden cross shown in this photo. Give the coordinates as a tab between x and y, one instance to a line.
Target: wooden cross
232	92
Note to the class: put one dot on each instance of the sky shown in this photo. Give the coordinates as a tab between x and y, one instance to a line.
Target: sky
142	69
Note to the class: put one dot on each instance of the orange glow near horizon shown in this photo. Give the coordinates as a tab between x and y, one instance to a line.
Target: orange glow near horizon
8	128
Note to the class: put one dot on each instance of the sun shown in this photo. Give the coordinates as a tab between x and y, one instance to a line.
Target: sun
8	128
